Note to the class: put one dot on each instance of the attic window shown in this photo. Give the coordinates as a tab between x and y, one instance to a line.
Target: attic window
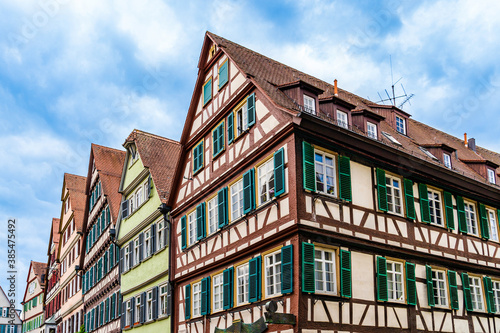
428	153
309	104
400	125
391	138
447	160
133	154
211	53
491	176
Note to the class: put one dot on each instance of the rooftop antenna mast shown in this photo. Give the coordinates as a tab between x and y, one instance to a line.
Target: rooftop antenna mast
392	99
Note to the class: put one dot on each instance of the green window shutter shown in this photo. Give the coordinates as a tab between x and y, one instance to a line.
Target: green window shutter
409	202
308	165
223	74
279	172
483	218
227	288
287	269
205	296
248	191
424	203
108	216
411	285
448	208
111	256
381	190
345	178
251	109
183	232
308	268
381	279
207	92
230	128
222	142
462	222
467	293
490	297
215	142
345	274
187	301
254	266
430	286
198	157
200	221
222	207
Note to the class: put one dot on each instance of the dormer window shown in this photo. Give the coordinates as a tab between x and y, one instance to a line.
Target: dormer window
447	160
371	130
309	104
342	119
133	154
491	176
400	125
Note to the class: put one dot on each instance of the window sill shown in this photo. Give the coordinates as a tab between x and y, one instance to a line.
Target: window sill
223	85
214	157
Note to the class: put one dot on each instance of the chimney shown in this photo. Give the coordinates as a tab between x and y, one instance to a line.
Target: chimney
335	89
465	139
472	144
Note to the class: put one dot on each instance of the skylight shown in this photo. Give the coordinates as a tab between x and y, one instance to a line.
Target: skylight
426	152
391	138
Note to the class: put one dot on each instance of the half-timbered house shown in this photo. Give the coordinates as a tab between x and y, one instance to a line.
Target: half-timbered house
33	298
52	296
350	215
10	321
143	231
100	273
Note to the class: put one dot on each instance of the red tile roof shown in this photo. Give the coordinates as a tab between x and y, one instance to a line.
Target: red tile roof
39	268
161	156
76	187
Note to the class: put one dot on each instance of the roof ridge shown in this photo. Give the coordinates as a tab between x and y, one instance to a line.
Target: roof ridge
106	147
155	136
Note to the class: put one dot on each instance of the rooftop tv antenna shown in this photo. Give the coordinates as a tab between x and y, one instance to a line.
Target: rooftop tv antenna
392	98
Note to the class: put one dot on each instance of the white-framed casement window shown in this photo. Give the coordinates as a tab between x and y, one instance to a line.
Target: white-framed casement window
149	305
147	243
400	125
476	292
309	104
395	288
136	251
435	207
495	287
342	119
470	218
394	201
242	284
491	176
131	204
139	197
272	266
160	226
217	285
325	172
128	313
324	262
163	300
492	221
213	214
236	193
137	309
447	160
126	258
241	119
265	174
371	130
439	288
192	227
196	299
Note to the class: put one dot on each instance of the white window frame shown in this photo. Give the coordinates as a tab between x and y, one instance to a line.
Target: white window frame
491	176
131	201
147	244
163	300
241	120
492	221
471	218
160	229
395	286
128	313
435	207
149	305
272	271
126	258
394	195
400	125
476	293
136	251
242	277
265	181
325	270
440	288
496	294
196	301
309	104
213	214
137	310
145	191
192	229
342	119
236	196
447	160
321	165
139	197
371	130
217	292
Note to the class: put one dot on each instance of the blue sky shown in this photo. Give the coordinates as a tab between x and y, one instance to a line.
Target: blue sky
75	72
